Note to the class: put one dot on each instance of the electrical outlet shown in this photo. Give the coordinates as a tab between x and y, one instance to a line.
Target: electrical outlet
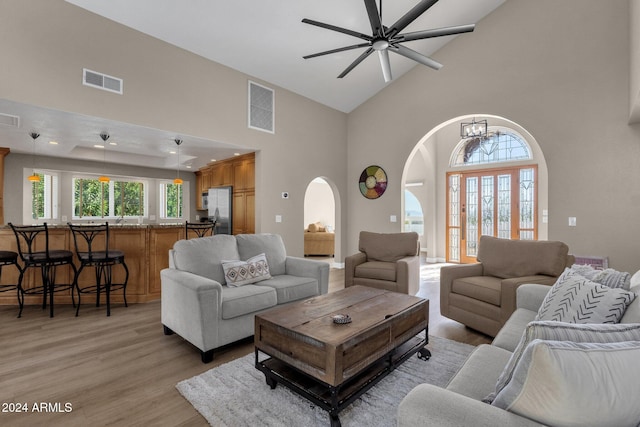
572	221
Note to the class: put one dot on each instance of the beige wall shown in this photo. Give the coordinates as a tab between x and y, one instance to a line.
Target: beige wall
560	69
46	44
634	40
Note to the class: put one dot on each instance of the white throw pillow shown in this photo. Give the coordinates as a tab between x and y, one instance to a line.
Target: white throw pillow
576	384
576	299
561	331
253	270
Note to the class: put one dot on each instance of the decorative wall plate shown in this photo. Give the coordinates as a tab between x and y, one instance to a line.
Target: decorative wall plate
373	182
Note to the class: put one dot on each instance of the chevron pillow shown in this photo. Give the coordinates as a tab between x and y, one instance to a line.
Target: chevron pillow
576	299
238	273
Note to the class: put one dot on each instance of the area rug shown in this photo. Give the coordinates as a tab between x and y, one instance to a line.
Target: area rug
235	394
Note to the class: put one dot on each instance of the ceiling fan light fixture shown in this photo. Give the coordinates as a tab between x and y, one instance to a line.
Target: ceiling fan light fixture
384	39
380	44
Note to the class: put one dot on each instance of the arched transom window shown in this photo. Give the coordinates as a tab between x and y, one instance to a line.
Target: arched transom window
498	146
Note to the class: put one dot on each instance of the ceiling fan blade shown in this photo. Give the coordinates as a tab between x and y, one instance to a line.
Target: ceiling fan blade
374	17
410	16
340	49
338	29
439	32
385	64
418	57
358	60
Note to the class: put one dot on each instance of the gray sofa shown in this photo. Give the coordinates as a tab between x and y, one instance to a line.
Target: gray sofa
461	402
199	305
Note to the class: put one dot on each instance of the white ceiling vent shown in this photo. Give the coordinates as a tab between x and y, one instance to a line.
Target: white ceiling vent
261	107
9	120
101	81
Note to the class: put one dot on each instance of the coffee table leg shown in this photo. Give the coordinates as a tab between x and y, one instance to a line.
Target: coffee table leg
335	421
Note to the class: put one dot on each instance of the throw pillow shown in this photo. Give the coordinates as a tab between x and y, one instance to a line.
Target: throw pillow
560	331
253	270
576	299
608	277
576	384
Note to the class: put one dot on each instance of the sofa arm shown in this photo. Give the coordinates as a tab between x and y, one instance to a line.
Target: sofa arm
302	267
350	264
408	275
191	306
429	405
448	274
530	296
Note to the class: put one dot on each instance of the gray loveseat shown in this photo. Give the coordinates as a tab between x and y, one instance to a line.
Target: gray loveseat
199	305
461	402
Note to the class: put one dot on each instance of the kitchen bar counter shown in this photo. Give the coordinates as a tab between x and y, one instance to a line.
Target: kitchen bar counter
146	248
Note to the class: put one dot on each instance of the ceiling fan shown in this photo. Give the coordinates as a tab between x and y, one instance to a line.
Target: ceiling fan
384	39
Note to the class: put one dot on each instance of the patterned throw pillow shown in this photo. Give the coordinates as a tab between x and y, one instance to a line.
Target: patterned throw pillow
561	331
562	383
238	273
576	299
608	277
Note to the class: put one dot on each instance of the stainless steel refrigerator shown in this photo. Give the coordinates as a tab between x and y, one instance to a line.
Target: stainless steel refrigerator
219	202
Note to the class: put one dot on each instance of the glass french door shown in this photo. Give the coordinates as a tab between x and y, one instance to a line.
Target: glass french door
495	202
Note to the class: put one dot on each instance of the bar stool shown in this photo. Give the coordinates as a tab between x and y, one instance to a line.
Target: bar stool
200	229
47	260
11	258
91	252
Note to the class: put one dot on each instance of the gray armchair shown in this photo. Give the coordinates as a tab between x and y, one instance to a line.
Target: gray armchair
386	261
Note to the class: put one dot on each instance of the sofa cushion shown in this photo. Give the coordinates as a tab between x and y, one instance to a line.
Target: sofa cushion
561	331
377	270
576	299
482	288
516	258
388	247
204	256
246	299
511	333
253	270
478	376
250	245
292	288
568	384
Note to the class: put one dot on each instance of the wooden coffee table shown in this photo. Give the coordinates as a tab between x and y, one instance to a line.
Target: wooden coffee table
333	364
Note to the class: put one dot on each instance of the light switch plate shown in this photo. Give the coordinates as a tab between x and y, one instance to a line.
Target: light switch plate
278	218
393	218
572	221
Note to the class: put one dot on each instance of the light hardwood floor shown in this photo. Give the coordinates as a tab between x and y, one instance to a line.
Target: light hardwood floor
121	370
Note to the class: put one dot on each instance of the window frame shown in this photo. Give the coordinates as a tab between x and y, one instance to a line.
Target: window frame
111	203
162	200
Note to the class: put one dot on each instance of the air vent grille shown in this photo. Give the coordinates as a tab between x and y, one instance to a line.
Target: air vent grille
9	120
261	108
101	81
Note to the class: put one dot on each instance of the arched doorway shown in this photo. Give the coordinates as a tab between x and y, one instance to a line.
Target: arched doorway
321	219
433	161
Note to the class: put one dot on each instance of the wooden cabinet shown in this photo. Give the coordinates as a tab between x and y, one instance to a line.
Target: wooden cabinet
160	241
199	190
239	172
244	217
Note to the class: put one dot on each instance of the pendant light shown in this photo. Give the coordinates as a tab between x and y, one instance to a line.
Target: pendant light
104	178
178	180
34	177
